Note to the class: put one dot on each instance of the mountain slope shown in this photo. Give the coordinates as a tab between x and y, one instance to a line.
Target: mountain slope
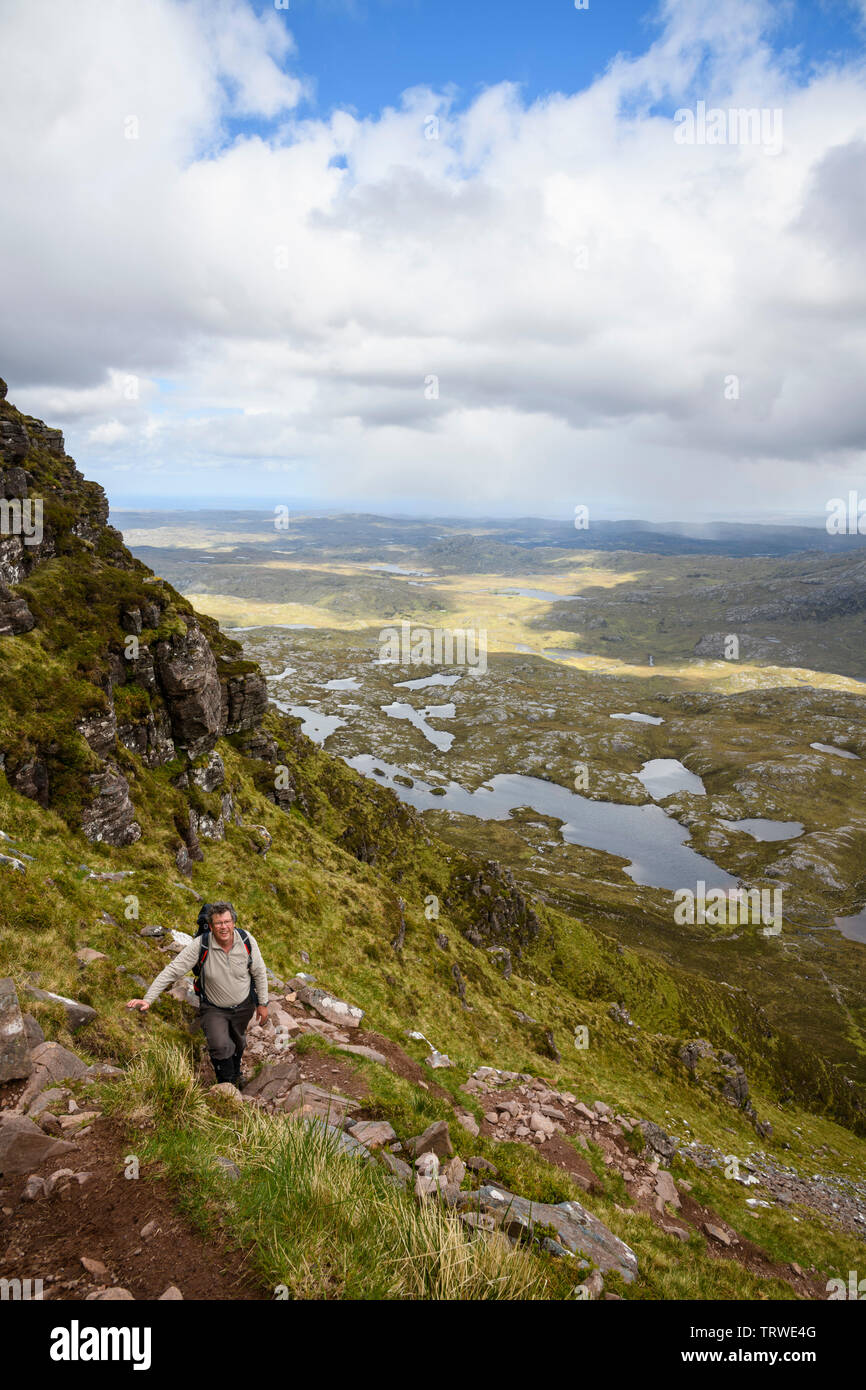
143	770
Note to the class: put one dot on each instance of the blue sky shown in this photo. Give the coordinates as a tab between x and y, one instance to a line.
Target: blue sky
284	289
363	53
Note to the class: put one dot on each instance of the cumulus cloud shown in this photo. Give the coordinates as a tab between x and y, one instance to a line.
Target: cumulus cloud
500	306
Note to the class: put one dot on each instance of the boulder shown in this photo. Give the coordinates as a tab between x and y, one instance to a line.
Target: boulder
343	1142
468	1122
51	1063
59	1181
227	1089
396	1166
540	1124
373	1133
15	1060
86	956
660	1143
15	616
435	1139
455	1170
274	1080
35	1035
576	1229
102	1071
48	1100
309	1100
666	1190
23	1145
481	1165
438	1059
77	1015
716	1233
333	1010
427	1165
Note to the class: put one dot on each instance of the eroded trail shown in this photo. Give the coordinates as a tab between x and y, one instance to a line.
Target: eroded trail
129	1230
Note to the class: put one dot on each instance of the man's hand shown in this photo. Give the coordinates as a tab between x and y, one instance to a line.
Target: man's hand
141	1004
262	1013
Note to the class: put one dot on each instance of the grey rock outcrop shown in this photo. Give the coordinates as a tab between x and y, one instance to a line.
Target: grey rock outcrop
15	1060
110	817
577	1230
187	672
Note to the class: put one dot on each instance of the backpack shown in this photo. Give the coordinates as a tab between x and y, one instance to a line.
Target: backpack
203	930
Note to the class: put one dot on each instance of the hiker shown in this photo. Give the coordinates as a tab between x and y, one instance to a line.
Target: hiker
232	979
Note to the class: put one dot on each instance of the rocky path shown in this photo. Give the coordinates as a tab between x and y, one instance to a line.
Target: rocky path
71	1217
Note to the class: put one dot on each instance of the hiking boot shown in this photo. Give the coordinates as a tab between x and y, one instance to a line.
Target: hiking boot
224	1069
236	1073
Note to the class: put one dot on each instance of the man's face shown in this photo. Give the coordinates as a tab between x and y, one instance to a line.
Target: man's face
223	928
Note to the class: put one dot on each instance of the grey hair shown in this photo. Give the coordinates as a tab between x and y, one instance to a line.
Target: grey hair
216	910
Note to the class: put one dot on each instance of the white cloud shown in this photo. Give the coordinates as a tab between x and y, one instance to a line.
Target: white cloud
581	285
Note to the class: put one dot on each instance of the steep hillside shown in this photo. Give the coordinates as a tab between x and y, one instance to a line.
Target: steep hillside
143	771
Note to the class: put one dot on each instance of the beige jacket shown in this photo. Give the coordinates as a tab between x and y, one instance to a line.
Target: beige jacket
226	973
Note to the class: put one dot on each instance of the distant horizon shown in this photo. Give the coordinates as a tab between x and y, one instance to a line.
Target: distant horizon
461	519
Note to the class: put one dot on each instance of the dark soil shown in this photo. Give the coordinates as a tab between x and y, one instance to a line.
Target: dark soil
102	1220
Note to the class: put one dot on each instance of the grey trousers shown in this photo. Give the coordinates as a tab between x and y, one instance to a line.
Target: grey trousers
225	1029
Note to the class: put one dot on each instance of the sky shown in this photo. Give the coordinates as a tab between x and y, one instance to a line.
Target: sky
442	257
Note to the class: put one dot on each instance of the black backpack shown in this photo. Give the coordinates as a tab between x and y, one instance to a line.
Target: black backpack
203	930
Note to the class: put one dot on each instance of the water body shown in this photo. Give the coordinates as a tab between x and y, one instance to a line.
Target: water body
423	681
346	683
281	675
760	829
546	594
560	653
853	927
639	718
653	843
664	776
315	725
397	569
441	740
828	748
260	627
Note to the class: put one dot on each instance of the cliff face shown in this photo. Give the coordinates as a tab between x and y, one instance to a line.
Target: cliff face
136	670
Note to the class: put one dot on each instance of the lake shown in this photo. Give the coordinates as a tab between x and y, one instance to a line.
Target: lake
653	843
664	776
438	737
761	829
828	748
639	718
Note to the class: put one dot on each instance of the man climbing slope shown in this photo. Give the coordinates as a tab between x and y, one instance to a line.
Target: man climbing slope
231	981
